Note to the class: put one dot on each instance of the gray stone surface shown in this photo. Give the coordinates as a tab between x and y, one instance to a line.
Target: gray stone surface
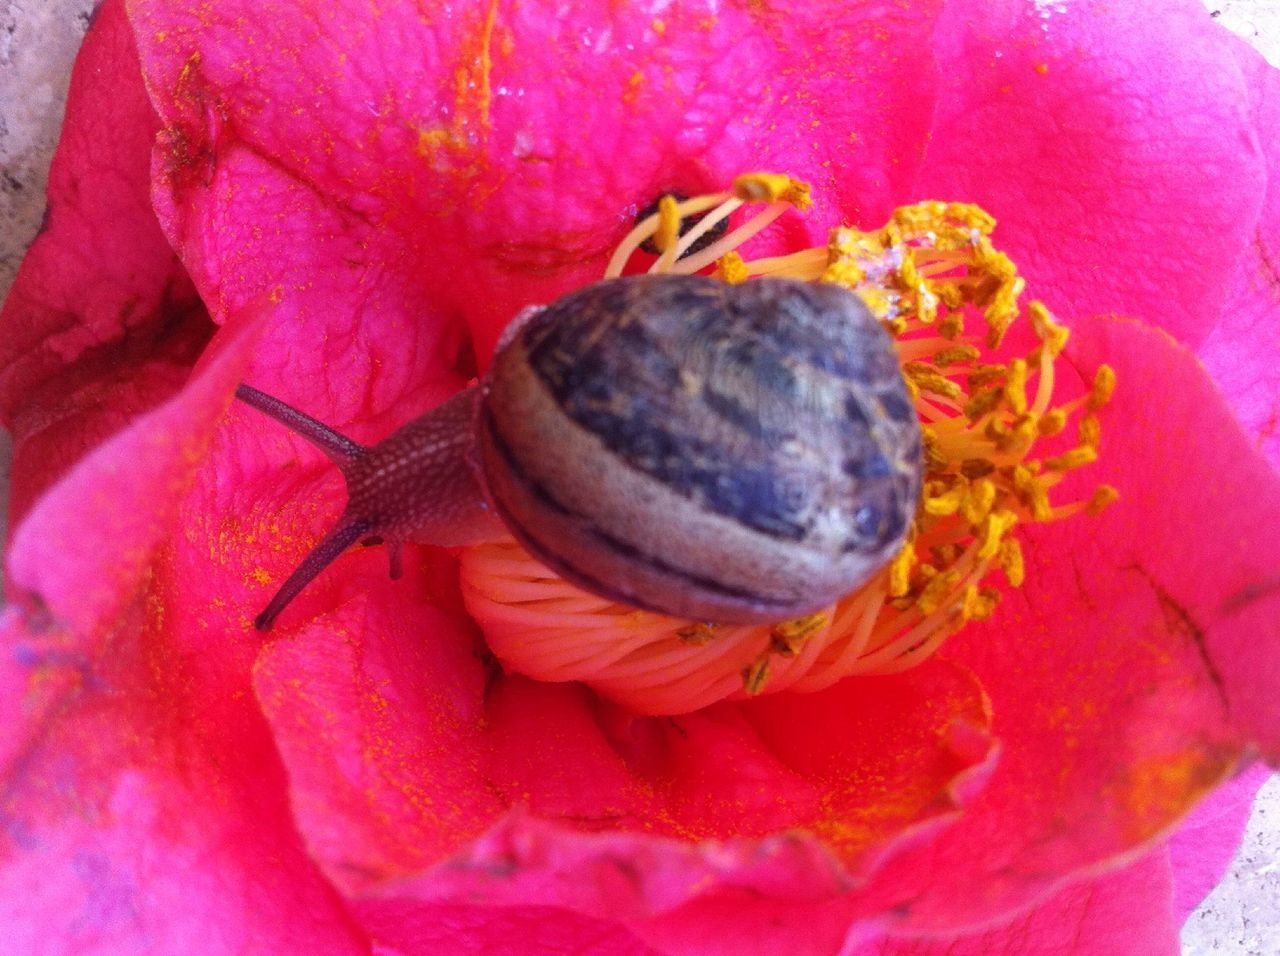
1242	916
38	40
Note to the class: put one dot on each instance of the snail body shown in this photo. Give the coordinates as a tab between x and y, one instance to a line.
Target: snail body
727	453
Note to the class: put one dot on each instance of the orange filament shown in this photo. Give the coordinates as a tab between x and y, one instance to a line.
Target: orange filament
928	275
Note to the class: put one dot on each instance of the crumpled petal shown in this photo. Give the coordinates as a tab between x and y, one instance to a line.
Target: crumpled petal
142	792
429	784
83	552
487	931
1130	670
1241	351
101	322
1126	911
127	831
458	162
336	192
1121	161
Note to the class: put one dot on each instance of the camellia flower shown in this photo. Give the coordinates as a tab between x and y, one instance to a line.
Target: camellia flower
345	205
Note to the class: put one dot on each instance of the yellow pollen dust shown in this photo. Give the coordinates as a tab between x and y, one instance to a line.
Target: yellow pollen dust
949	298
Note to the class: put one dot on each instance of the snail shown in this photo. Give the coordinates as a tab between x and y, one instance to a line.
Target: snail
723	453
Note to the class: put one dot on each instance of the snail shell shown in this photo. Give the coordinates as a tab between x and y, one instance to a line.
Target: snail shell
733	453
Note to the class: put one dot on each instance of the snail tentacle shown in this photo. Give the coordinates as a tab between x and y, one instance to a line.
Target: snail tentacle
342	536
340	449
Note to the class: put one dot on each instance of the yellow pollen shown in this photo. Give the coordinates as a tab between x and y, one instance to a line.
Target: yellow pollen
731	269
990	445
979	501
1103	496
1015	386
1052	423
698	633
788	637
952	327
1089	431
937	591
946	503
1075	458
1010	558
1104	385
992	530
983	403
955	355
772	187
754	675
900	571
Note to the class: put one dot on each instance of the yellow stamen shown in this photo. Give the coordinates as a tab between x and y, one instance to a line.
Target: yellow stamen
755	674
772	187
952	327
664	237
708	222
955	355
1104	386
1010	558
787	638
697	634
900	571
1015	386
979	501
731	269
1052	423
1090	431
700	260
947	503
646	227
1103	496
807	264
1075	458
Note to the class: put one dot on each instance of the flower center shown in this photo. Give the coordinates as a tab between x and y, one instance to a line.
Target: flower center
987	414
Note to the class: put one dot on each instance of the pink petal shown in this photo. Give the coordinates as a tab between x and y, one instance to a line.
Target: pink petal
1204	845
1126	911
487	931
677	896
413	779
378	712
456	173
83	552
144	812
143	792
101	322
1115	145
1129	672
1240	352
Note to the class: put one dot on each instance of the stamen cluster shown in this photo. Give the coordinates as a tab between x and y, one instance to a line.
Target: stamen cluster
930	274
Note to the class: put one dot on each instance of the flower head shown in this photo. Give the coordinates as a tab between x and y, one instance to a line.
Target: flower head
347	206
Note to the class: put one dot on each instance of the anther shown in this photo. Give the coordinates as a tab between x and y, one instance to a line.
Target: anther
1104	386
651	245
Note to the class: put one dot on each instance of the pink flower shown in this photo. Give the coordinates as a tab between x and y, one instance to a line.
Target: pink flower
360	196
